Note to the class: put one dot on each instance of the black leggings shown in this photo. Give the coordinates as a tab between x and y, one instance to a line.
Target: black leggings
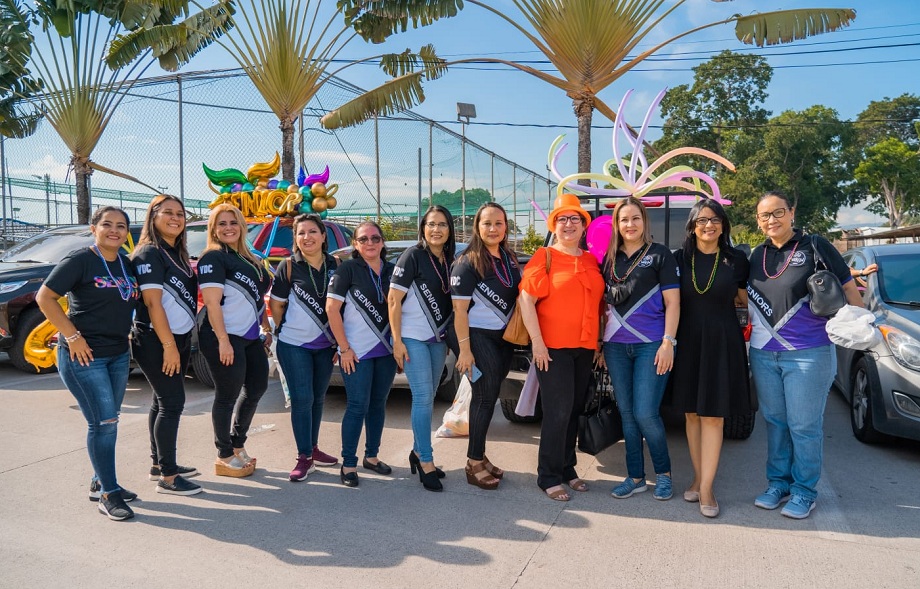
563	394
492	356
168	394
249	369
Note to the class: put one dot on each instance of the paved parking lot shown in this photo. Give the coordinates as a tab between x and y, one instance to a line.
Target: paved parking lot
265	531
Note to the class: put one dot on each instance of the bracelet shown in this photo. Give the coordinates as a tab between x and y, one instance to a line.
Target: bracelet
341	351
167	344
463	340
72	338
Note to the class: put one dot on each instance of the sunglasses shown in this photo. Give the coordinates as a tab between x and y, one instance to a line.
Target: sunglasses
364	239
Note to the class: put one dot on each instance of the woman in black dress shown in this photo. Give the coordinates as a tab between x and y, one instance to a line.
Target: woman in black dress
710	379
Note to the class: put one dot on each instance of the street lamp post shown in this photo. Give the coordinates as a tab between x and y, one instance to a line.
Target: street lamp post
465	112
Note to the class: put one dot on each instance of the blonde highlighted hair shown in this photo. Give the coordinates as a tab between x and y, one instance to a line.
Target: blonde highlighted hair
241	246
149	233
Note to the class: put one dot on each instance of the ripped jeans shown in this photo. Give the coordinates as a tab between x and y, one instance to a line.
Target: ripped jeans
99	389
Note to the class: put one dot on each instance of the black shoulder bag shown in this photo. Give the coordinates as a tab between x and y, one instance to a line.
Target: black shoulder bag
827	296
600	426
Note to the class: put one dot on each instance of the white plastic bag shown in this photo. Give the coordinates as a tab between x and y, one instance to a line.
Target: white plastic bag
852	327
457	417
527	402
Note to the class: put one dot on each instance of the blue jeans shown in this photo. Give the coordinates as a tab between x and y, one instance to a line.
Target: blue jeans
792	388
423	371
307	373
367	390
639	389
99	390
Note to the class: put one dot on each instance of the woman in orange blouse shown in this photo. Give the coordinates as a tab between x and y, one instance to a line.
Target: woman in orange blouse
561	310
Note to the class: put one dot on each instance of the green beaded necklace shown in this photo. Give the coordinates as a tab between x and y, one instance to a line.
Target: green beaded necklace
712	275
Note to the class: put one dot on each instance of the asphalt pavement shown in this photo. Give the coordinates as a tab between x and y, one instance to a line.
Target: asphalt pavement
265	531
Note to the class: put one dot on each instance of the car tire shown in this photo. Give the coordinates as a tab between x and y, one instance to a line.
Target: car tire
508	406
861	394
33	342
202	370
448	388
739	427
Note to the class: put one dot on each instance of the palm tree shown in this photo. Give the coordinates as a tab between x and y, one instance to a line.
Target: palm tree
80	93
589	43
288	51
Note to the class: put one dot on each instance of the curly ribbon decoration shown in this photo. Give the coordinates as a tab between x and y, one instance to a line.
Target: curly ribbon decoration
637	177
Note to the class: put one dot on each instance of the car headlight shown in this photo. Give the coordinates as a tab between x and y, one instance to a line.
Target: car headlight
904	348
6	287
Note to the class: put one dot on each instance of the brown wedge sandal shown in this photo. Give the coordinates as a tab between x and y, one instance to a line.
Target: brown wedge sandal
479	476
493	470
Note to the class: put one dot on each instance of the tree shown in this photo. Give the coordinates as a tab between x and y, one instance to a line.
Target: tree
890	117
452	201
80	94
19	117
726	97
891	174
289	57
588	56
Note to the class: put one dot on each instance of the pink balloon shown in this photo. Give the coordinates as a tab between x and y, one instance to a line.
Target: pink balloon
598	236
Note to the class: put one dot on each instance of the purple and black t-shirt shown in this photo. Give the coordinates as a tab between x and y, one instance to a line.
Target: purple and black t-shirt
778	298
305	322
364	306
639	318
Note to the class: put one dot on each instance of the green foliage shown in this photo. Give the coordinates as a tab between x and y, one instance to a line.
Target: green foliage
890	117
18	116
744	234
890	171
453	201
532	241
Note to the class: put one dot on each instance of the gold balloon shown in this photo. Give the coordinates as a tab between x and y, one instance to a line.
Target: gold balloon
318	189
293	188
331	202
319	204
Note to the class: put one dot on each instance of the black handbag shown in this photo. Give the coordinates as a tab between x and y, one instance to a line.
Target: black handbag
827	296
600	426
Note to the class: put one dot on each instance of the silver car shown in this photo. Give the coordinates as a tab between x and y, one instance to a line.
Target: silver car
882	384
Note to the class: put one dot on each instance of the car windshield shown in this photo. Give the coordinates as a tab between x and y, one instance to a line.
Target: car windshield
50	246
899	279
196	239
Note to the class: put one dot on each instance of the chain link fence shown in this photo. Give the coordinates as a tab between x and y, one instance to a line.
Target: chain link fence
166	128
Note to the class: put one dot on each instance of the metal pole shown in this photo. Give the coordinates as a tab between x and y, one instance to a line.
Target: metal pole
430	162
47	199
3	185
70	191
377	161
492	166
300	143
420	186
514	201
57	209
181	145
463	180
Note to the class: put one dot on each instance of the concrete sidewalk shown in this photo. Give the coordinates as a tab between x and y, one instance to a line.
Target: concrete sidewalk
266	531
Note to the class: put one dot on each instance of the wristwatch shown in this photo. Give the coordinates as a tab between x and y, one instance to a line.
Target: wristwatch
671	339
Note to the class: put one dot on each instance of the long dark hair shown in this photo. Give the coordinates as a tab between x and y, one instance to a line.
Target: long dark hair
316	220
149	233
354	240
477	251
97	214
714	206
450	247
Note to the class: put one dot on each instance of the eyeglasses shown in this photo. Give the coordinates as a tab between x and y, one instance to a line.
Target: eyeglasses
574	220
777	214
433	225
364	239
703	221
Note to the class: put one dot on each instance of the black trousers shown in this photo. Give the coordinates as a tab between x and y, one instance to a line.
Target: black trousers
563	394
492	356
168	393
249	370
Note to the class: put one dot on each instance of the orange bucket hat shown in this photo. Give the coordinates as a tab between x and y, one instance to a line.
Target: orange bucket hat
566	203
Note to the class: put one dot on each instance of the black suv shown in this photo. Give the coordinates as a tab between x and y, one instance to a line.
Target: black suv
24	333
668	221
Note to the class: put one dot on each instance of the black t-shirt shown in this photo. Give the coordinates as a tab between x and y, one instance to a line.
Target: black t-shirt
94	296
305	322
364	306
492	297
426	310
778	296
244	286
640	317
163	269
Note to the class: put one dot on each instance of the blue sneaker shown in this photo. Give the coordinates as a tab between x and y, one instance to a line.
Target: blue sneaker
771	498
663	487
628	488
798	507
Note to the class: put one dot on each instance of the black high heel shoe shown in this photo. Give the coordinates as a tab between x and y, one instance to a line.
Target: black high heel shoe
416	463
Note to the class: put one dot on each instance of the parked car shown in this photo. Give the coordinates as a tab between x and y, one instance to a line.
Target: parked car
882	385
24	333
258	233
667	226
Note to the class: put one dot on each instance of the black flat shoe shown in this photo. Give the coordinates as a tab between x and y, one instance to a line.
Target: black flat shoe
349	479
380	468
416	464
